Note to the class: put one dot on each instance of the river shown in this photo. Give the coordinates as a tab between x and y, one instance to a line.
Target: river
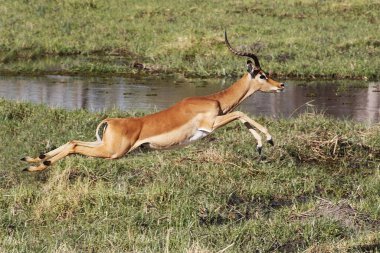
357	100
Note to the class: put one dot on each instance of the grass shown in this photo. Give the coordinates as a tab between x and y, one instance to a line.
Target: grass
308	38
316	191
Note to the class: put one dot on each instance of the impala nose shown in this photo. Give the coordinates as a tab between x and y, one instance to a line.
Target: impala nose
282	85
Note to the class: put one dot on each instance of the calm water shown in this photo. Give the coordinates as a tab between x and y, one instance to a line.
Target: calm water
343	99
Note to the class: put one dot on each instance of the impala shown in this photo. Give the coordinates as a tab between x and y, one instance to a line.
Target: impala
186	121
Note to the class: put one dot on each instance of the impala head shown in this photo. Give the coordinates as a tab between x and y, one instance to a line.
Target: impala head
259	79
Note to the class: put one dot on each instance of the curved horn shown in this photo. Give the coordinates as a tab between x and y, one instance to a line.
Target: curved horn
253	56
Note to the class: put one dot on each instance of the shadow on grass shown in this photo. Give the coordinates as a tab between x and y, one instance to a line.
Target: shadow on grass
237	209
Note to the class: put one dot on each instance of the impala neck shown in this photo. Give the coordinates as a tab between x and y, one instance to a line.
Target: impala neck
231	97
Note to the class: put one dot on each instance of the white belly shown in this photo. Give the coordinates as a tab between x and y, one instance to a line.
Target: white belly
199	134
169	141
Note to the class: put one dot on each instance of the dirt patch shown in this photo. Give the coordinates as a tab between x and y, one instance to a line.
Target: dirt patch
342	212
365	248
284	57
290	246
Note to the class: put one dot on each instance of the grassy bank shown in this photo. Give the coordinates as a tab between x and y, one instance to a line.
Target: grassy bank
306	38
317	189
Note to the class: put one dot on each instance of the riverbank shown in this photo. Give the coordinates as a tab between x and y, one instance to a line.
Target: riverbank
317	189
297	39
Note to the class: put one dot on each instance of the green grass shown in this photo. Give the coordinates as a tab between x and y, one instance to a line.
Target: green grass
318	189
308	38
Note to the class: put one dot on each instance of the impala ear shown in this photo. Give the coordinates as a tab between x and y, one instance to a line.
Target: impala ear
250	67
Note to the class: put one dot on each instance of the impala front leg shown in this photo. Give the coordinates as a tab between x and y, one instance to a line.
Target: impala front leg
261	128
259	146
248	122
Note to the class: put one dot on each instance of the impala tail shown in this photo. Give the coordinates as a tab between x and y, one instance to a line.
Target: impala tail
100	130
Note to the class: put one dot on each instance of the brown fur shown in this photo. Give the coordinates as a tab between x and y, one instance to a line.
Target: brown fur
188	120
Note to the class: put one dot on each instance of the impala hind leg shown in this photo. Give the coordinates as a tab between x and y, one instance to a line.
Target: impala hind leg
93	149
45	156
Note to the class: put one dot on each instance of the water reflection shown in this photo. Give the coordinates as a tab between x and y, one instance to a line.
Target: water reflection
344	99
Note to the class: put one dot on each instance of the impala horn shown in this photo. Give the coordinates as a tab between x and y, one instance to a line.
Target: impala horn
250	55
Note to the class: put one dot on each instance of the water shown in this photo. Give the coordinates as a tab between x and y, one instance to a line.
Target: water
356	100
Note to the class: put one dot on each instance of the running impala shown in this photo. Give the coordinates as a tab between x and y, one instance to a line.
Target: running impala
186	121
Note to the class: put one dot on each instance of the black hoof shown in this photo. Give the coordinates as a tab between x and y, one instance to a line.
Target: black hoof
259	149
47	163
23	159
271	142
25	170
262	158
42	156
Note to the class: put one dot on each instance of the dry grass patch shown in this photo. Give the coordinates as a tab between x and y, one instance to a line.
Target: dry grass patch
330	143
61	196
212	155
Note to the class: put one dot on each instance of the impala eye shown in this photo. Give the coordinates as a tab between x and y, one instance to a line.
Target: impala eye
262	77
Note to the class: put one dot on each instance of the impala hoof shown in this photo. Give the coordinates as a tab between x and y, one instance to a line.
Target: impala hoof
47	163
270	141
259	149
25	170
23	159
261	158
